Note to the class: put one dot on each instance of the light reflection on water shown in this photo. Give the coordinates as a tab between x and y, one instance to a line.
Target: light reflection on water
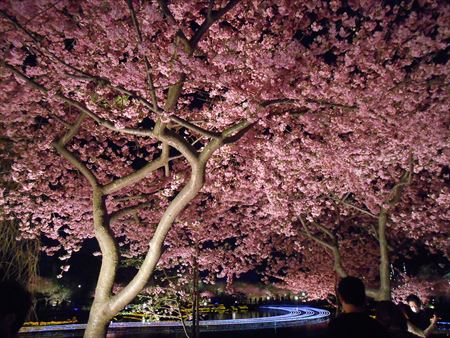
239	314
274	330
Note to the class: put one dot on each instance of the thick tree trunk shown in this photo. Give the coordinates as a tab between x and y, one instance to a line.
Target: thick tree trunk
100	315
98	322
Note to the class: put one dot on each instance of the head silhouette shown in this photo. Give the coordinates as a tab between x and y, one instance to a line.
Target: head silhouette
414	303
351	291
15	301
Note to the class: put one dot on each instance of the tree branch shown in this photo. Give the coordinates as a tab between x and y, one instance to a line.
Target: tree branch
126	211
405	181
76	163
166	11
59	146
324	230
193	127
138	175
147	63
83	75
359	209
120	89
308	233
73	130
81	107
209	21
229	135
308	100
180	144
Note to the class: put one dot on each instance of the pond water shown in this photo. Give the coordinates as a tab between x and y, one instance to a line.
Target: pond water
305	331
272	321
240	314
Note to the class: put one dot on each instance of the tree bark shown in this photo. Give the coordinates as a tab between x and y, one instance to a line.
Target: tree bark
385	281
100	314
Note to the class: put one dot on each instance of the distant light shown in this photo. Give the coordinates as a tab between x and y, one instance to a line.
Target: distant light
296	297
79	286
268	298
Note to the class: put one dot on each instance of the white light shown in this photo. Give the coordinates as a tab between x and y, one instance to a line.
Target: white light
79	286
268	298
296	297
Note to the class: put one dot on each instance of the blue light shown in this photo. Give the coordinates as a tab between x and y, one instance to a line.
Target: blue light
293	315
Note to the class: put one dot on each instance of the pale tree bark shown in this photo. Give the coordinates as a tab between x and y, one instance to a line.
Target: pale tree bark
106	306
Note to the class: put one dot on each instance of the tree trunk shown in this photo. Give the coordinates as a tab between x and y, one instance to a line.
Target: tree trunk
195	295
99	315
385	281
98	322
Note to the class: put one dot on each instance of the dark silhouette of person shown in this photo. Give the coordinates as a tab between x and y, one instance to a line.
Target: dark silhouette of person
422	322
392	318
354	322
15	302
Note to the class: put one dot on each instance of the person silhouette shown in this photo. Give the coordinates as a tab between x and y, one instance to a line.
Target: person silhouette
392	318
354	322
15	302
423	322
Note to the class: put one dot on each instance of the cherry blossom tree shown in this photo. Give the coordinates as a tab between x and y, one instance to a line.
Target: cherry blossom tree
116	109
60	95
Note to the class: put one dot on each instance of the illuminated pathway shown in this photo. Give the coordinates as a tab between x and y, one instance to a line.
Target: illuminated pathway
284	316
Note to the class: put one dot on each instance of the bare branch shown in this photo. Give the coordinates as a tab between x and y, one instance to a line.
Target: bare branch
35	37
168	14
210	9
308	100
308	233
76	163
360	210
137	175
73	130
324	230
166	150
405	181
60	120
59	146
209	21
193	127
180	144
132	198
229	135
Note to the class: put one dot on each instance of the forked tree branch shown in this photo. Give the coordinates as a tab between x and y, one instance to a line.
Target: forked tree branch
331	245
59	146
137	175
